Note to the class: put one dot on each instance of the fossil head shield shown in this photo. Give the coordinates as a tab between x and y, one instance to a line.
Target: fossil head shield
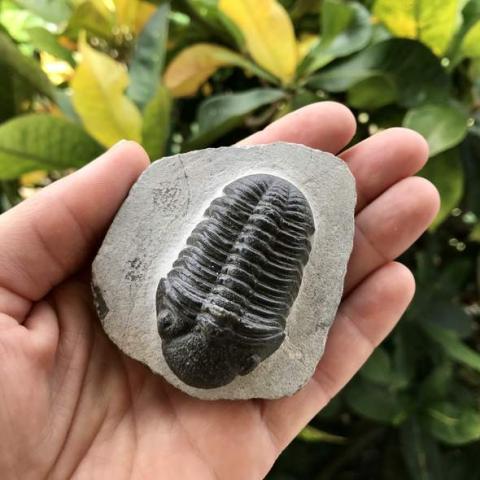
222	308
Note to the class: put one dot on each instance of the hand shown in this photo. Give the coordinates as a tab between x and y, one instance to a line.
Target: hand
73	406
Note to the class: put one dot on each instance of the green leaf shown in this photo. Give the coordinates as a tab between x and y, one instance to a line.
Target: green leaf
453	424
55	11
470	154
156	123
314	435
346	28
42	39
148	58
222	113
15	21
409	65
420	452
41	141
25	67
443	125
375	402
438	384
446	173
449	315
378	368
453	346
7	96
372	93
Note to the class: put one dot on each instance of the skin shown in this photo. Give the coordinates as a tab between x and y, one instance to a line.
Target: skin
73	406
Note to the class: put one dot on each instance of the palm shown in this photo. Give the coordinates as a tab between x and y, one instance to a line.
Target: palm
72	405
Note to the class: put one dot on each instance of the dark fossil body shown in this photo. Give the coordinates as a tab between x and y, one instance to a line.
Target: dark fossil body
222	308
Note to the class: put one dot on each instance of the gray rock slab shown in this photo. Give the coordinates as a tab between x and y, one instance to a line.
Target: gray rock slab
159	214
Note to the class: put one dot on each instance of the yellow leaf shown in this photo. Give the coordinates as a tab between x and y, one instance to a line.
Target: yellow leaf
98	96
268	32
305	44
434	22
471	42
57	70
126	12
37	177
194	65
144	12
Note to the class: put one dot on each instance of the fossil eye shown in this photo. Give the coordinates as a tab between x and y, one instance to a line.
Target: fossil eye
164	322
235	281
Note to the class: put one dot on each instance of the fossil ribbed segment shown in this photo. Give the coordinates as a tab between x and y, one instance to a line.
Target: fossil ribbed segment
223	306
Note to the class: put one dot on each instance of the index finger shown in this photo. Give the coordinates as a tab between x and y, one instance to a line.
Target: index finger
48	237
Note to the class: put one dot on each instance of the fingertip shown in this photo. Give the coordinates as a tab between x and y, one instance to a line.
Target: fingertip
405	279
336	109
428	196
130	154
341	122
327	126
414	146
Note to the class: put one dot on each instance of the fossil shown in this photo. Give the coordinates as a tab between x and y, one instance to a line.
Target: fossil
222	308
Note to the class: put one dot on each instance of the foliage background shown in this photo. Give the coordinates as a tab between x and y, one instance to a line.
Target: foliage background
76	76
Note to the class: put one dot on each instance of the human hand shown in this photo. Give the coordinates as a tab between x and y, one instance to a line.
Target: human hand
73	406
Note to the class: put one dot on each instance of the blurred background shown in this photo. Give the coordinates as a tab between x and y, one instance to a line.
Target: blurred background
77	76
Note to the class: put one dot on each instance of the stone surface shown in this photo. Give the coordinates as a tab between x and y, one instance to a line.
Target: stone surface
152	227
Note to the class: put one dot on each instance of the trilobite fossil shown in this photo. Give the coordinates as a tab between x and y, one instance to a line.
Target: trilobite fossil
222	308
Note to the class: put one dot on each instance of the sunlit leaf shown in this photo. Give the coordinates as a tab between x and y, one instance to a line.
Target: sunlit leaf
268	33
443	125
446	173
41	141
410	66
222	113
314	435
346	28
58	71
98	96
148	58
156	123
434	22
194	65
16	21
453	424
471	42
55	11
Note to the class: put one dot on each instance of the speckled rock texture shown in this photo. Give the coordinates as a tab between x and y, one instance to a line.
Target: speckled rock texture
160	213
